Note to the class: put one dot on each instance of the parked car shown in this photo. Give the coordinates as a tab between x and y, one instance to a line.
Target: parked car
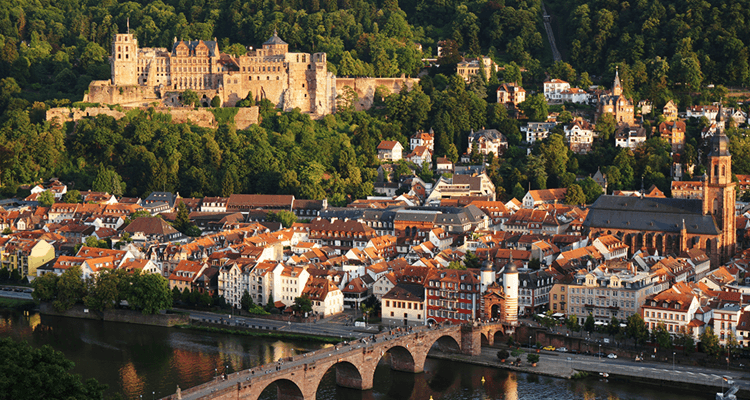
562	349
611	355
574	351
600	354
548	348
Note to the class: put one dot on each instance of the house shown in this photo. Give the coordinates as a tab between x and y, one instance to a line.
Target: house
630	136
534	131
185	274
670	111
356	291
553	89
288	283
214	204
579	135
390	150
421	138
687	189
164	200
443	165
420	155
452	295
148	229
404	305
675	308
674	133
488	141
574	95
511	95
461	186
535	198
533	291
244	203
708	111
473	66
739	116
327	299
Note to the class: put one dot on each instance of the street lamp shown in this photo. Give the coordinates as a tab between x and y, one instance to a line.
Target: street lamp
600	351
529	342
673	353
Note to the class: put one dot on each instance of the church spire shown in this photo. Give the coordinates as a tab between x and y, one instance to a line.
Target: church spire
617	87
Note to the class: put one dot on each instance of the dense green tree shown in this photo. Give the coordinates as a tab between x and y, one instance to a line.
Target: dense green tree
41	373
535	107
637	329
302	304
190	98
709	342
589	325
216	102
149	293
70	289
246	302
72	196
287	218
575	195
108	181
45	287
46	198
662	336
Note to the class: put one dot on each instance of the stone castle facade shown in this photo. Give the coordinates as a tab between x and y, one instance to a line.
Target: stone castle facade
141	76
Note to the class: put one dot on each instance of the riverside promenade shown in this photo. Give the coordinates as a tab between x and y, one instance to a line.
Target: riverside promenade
565	365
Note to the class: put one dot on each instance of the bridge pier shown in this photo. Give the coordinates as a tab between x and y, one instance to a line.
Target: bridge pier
471	340
348	376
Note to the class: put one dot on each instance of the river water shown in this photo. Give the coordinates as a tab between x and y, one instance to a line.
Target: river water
137	360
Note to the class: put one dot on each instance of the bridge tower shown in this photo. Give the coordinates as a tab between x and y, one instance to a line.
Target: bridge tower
510	285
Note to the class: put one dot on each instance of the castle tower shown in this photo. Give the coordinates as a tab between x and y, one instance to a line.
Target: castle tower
617	87
510	285
487	275
719	194
124	60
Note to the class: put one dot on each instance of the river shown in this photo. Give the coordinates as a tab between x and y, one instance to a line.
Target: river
137	360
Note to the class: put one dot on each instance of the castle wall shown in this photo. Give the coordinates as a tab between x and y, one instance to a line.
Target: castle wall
365	87
245	117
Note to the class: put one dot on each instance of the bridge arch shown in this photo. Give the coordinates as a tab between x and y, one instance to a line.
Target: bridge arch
285	390
348	375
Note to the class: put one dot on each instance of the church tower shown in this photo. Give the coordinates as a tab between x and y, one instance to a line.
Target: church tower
124	59
719	195
617	87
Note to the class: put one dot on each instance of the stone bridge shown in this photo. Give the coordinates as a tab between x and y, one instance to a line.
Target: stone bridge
298	377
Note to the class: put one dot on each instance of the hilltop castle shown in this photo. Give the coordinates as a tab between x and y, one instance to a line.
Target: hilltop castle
141	76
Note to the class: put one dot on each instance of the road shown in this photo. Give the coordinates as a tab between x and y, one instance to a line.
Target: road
15	295
565	364
331	326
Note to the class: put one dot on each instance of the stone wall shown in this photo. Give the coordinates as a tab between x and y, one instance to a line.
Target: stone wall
70	114
127	316
365	87
204	118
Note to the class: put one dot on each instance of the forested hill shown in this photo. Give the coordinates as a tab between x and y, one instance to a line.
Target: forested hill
692	42
54	48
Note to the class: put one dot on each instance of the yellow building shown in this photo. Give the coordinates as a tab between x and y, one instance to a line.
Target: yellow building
26	255
617	104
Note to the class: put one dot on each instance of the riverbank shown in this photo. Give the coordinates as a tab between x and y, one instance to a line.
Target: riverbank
213	328
13	304
566	367
126	316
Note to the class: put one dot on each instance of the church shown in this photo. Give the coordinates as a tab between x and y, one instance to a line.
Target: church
671	225
617	104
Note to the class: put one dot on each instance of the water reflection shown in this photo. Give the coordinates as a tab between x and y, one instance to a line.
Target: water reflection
135	360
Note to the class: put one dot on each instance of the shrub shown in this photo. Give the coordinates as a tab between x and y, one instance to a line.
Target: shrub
503	354
532	358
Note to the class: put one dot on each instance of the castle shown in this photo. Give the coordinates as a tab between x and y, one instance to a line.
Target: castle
142	76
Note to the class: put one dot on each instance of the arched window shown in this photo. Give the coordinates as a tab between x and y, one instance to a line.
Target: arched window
716	170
